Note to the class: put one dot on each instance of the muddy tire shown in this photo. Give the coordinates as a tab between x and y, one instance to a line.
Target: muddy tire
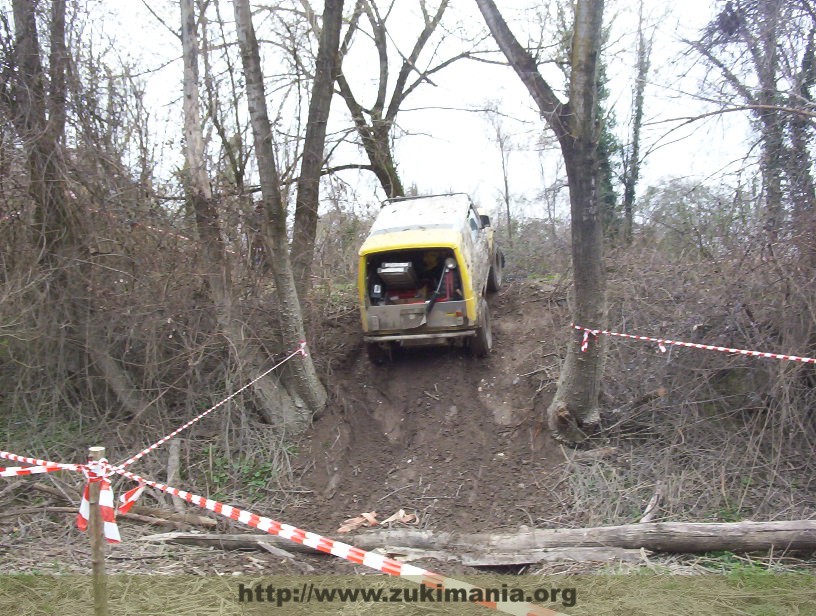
482	342
377	355
496	273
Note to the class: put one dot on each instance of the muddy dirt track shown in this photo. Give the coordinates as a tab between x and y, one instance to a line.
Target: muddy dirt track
457	440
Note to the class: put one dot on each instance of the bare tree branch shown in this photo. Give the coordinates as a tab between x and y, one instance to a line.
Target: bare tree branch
730	77
523	63
409	63
158	18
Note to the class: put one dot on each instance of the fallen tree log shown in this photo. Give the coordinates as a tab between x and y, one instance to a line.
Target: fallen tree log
681	537
184	518
472	558
244	541
551	555
276	551
137	517
656	536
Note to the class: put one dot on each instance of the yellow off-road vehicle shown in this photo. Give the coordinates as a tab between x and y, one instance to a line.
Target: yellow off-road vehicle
424	273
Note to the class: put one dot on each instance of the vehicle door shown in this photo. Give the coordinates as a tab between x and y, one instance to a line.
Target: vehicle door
481	250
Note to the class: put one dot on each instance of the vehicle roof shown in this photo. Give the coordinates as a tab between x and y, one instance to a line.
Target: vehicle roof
422	213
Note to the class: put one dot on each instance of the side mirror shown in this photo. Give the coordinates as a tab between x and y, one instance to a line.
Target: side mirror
485	220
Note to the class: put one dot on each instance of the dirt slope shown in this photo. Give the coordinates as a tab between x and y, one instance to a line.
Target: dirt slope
458	441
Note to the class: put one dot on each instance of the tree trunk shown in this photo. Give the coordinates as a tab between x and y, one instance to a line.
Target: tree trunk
306	385
798	161
505	160
770	163
573	410
657	536
38	114
54	224
375	140
275	405
798	167
57	65
39	118
632	157
771	126
381	156
308	186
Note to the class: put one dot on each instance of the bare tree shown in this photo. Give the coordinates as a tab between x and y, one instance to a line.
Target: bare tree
799	160
573	410
375	124
631	155
755	46
225	117
308	185
505	147
274	403
766	59
307	386
38	108
39	116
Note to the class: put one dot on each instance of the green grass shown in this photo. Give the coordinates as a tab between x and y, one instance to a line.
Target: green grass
240	473
745	591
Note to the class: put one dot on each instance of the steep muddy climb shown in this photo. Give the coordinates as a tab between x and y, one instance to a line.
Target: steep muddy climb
457	440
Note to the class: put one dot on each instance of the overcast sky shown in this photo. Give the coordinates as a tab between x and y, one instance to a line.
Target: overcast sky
444	143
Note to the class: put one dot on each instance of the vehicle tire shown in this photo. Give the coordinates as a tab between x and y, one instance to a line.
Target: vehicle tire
482	342
496	273
377	355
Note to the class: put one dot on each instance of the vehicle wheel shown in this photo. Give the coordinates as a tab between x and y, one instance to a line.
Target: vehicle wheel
377	355
482	342
496	273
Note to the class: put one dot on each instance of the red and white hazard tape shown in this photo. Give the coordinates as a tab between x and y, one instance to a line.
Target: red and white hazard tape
129	498
300	350
94	471
338	548
663	342
6	455
20	471
98	471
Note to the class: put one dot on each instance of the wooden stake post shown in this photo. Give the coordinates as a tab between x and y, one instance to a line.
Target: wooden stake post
100	583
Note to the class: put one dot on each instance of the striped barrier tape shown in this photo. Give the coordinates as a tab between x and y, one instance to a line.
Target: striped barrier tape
339	549
6	455
94	471
663	342
97	471
300	350
129	498
20	471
